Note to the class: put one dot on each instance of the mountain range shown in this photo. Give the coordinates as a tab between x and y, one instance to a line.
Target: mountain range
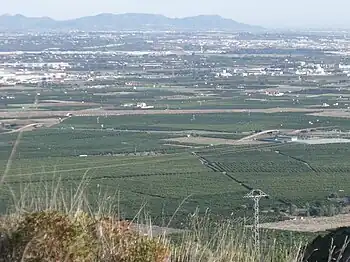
124	22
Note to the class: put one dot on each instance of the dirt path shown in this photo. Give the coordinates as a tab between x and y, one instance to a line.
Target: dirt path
30	124
310	224
212	141
23	128
332	113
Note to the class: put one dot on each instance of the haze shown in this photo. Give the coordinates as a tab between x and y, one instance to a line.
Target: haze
269	13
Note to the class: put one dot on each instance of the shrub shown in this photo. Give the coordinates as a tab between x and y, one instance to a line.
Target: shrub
54	236
120	243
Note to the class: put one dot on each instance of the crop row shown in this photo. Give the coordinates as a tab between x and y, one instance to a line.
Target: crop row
252	166
58	143
285	168
42	179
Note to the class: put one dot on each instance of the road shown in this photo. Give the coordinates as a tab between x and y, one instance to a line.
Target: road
259	134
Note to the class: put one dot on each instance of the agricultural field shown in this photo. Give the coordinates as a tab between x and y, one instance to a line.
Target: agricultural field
297	174
171	182
224	122
68	142
166	140
148	162
163	183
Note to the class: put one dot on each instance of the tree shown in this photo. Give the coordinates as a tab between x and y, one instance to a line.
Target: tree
331	210
307	207
333	195
292	209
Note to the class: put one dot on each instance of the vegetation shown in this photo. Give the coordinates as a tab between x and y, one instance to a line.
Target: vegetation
82	165
54	236
303	175
229	122
65	143
56	226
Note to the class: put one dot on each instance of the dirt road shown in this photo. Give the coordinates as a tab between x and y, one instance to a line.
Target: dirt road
23	128
310	224
333	113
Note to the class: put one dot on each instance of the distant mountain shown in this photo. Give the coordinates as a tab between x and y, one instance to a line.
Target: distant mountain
123	22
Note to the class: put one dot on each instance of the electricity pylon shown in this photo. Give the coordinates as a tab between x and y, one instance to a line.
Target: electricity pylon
256	195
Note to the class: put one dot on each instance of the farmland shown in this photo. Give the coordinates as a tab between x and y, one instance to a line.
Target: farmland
224	122
180	138
141	159
173	176
162	182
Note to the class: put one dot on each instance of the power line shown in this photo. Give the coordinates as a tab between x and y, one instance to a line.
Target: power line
256	195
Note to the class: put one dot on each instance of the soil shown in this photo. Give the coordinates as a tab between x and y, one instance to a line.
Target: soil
333	113
318	224
213	141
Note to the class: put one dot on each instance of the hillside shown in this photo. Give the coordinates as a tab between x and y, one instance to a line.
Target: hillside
117	22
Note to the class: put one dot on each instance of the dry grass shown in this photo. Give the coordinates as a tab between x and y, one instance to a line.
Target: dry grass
203	140
213	141
228	242
50	222
55	224
55	236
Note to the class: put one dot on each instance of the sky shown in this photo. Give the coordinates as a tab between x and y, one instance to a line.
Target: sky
268	13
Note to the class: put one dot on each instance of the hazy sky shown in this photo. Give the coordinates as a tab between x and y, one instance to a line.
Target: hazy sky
271	13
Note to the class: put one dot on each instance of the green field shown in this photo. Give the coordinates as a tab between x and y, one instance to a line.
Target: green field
143	170
178	181
163	182
229	122
67	142
293	173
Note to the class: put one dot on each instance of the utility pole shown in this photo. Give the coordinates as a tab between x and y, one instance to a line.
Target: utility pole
256	195
36	102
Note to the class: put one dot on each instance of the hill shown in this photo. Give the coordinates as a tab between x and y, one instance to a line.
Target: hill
119	22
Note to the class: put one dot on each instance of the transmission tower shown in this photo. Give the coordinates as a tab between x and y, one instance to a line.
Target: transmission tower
256	195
